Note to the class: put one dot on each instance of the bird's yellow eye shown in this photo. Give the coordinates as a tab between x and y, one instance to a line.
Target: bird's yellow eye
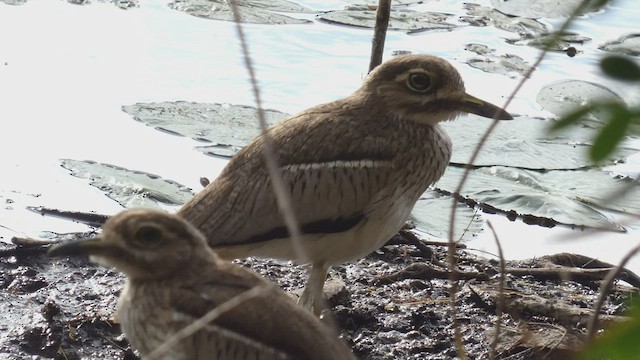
419	82
148	236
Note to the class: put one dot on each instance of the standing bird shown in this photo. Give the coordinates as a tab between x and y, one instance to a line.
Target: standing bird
354	167
174	278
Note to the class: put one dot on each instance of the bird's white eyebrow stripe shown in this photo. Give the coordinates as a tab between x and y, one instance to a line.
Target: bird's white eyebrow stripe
347	164
405	74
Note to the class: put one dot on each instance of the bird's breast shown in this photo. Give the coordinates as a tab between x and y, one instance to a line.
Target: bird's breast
144	317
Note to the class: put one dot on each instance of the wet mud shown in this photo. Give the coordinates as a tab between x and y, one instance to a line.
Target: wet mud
393	304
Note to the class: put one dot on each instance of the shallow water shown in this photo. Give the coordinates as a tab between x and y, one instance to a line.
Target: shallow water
66	70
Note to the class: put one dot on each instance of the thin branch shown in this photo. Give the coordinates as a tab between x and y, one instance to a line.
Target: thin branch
282	196
451	254
268	148
605	287
195	326
380	33
500	307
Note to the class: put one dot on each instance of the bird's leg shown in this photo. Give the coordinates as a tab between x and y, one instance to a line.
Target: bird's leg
311	298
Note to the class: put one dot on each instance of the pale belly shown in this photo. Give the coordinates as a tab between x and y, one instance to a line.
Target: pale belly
334	248
142	325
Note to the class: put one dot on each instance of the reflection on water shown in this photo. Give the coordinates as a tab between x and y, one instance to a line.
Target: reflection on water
66	70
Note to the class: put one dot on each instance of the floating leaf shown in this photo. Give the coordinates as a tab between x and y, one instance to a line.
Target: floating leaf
553	41
541	8
524	142
566	196
565	96
482	16
628	45
227	127
398	20
508	65
251	11
432	212
374	3
129	188
620	68
520	143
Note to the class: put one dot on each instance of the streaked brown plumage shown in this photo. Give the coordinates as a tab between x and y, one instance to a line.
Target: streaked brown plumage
355	168
173	278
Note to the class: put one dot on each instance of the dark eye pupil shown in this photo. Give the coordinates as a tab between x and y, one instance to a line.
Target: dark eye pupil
148	235
419	82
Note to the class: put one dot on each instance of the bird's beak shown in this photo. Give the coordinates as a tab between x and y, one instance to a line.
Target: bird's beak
84	247
472	104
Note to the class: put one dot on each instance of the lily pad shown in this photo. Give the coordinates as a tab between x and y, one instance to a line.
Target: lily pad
552	41
539	8
398	20
483	16
523	143
227	127
251	11
565	96
508	65
130	188
628	45
431	215
373	4
569	197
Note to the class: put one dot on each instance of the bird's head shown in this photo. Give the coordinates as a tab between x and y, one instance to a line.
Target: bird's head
425	89
141	243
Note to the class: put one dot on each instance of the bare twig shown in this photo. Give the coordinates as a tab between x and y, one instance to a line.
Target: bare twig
379	33
500	307
205	320
451	254
282	195
605	287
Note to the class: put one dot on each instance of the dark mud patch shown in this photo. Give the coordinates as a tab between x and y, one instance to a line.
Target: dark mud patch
59	309
385	309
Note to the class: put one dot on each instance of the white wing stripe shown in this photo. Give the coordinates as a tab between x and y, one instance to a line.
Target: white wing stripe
348	164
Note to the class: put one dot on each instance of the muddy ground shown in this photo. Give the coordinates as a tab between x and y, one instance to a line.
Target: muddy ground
391	305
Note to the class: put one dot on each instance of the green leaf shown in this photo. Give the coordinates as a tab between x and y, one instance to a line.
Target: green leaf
635	114
619	342
611	134
621	68
572	118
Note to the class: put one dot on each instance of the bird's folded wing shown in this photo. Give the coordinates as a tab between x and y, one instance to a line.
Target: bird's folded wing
331	173
328	196
269	323
216	342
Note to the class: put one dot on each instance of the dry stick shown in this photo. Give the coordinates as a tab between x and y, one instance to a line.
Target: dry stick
605	287
280	190
268	149
205	320
500	307
379	33
283	199
451	253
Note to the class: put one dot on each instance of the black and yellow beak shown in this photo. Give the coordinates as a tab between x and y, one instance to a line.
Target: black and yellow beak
83	247
473	105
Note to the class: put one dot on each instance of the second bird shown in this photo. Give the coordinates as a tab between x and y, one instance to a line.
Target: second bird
354	167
